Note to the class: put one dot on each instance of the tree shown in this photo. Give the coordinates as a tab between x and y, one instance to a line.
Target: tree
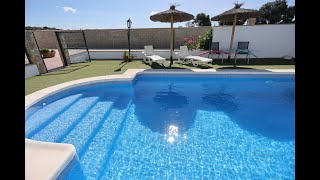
202	20
205	40
276	12
189	24
289	16
40	28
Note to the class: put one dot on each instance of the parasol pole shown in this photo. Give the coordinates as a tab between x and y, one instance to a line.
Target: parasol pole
232	35
171	39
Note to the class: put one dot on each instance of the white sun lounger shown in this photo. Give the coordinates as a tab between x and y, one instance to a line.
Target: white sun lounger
150	56
186	57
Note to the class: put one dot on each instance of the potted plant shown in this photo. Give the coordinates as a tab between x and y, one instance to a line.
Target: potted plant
131	56
127	57
191	42
46	53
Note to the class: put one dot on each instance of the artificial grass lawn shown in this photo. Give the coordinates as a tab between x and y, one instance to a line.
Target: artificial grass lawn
108	67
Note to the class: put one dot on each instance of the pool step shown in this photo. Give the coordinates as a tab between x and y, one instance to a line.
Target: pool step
96	153
45	115
103	174
31	110
63	124
81	134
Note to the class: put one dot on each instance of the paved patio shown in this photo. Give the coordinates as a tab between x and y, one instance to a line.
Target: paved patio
51	63
54	62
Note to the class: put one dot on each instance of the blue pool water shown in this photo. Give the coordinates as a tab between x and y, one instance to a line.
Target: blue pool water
190	127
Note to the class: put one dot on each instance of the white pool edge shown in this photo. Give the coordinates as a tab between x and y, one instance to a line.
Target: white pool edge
45	160
69	149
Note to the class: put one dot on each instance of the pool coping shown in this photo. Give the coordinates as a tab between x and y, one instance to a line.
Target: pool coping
53	167
44	160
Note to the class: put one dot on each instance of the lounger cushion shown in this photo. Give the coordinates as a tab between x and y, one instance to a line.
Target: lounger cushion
199	58
156	58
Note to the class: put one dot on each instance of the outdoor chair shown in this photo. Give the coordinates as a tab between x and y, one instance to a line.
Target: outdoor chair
214	49
243	48
184	56
150	56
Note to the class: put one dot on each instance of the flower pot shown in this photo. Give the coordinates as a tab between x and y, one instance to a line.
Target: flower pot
126	58
48	54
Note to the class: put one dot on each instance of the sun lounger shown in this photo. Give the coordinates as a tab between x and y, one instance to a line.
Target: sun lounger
184	56
150	56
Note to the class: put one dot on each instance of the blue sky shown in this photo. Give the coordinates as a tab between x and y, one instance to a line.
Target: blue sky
107	14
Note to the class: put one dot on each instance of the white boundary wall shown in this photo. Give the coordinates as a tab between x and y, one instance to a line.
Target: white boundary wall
266	41
31	70
113	54
107	54
80	57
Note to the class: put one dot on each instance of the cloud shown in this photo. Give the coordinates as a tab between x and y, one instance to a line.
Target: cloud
69	9
153	12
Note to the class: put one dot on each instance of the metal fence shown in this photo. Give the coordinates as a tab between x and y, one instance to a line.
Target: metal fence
50	55
74	45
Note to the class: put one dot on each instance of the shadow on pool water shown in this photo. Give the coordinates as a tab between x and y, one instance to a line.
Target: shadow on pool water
159	109
163	109
272	117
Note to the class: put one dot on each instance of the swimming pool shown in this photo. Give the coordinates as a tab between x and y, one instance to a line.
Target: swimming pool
191	126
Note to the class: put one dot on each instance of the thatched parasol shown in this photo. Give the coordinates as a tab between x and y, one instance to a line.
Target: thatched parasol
172	15
233	15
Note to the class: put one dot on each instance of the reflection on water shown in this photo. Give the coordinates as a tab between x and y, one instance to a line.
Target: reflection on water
288	95
220	101
268	111
164	99
262	108
159	107
172	133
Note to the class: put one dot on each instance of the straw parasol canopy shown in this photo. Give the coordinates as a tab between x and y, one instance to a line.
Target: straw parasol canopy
242	14
172	15
234	14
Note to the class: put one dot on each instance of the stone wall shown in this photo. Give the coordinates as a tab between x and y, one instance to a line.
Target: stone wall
33	52
118	38
46	39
